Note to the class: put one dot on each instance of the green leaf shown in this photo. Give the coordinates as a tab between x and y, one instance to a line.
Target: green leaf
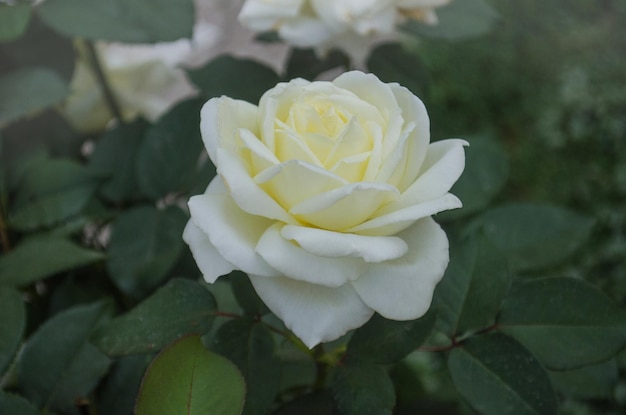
13	325
13	20
496	376
115	158
130	21
50	192
179	308
117	393
393	63
362	388
42	256
243	79
387	341
168	157
28	90
246	296
457	20
41	47
58	365
533	236
471	292
566	323
16	405
305	63
145	245
250	346
589	382
188	379
486	171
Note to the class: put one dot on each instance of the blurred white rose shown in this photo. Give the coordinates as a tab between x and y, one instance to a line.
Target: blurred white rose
324	197
148	79
352	25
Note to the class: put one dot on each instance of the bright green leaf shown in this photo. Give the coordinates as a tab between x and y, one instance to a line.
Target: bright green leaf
16	405
471	292
58	364
362	388
387	341
28	90
534	236
131	21
393	63
13	324
179	308
250	346
589	382
115	158
457	20
486	171
188	379
566	323
167	159
117	393
497	376
237	78
13	20
42	256
145	245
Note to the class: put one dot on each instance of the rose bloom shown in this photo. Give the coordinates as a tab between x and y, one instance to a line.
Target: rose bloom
351	25
323	197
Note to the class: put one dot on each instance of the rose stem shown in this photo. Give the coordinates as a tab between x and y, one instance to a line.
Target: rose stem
109	97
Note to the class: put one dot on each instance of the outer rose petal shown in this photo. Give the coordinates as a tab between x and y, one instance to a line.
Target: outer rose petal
231	231
442	167
211	263
305	32
299	264
245	192
314	313
221	118
263	15
402	289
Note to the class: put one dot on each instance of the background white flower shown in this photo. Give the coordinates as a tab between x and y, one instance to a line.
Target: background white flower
148	79
352	25
324	197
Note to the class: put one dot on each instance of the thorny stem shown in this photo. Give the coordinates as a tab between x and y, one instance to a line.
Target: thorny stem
109	96
456	342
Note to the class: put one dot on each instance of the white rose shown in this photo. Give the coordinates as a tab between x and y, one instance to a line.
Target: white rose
347	24
324	197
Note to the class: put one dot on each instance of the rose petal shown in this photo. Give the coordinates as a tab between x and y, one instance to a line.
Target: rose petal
413	109
260	156
443	165
232	232
396	221
304	32
245	192
294	181
261	15
335	244
370	89
402	289
314	313
209	261
297	263
221	118
344	207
